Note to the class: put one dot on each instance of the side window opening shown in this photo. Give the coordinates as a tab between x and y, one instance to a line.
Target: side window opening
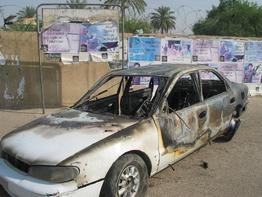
183	94
212	85
139	95
131	96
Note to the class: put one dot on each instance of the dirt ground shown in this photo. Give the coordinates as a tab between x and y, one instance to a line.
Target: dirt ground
234	168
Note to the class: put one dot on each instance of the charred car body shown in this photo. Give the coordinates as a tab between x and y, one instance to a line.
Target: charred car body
129	126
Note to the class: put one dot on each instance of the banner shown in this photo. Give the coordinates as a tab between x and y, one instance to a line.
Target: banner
231	51
99	37
253	73
144	49
205	51
176	50
253	51
233	71
61	38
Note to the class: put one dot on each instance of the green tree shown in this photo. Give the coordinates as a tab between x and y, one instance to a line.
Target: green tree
76	4
163	19
231	18
133	25
27	12
137	6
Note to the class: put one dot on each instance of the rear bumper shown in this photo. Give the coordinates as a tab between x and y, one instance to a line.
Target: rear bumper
18	184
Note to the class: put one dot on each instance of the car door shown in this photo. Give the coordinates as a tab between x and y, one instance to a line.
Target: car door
184	116
218	98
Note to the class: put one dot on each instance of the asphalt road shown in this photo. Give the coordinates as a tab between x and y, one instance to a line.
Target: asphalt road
234	168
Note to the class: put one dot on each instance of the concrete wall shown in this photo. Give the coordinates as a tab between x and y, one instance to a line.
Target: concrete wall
19	75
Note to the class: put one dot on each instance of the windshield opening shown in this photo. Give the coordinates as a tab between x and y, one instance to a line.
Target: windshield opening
131	96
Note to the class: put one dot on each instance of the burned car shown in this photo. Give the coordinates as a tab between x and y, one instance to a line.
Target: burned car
132	124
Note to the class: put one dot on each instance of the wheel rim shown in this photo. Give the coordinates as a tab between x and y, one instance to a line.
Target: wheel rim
128	182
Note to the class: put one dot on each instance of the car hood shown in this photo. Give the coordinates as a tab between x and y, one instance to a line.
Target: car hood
54	138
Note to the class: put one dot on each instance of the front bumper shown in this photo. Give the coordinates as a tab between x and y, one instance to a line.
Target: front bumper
19	184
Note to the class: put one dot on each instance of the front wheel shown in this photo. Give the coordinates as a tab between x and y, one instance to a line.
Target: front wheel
128	177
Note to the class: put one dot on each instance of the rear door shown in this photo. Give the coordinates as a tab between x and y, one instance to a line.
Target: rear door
218	98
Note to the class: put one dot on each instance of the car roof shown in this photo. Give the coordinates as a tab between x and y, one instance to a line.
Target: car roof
163	70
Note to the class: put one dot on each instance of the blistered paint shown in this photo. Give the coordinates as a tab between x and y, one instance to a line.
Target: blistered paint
51	143
83	117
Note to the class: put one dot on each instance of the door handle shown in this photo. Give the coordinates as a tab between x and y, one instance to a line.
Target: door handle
202	114
232	100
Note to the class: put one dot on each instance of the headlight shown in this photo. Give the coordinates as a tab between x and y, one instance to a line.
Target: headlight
56	174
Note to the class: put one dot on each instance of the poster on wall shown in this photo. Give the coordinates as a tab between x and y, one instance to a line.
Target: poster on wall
61	38
102	36
205	51
77	31
253	72
144	49
140	80
233	71
176	50
253	51
231	51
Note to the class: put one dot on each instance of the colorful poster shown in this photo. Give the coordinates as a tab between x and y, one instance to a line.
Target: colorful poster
205	51
144	49
253	51
253	73
233	71
61	38
176	50
231	51
102	36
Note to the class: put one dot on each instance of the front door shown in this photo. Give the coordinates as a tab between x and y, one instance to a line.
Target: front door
184	117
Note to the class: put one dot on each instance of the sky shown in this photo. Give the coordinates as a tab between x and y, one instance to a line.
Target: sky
187	12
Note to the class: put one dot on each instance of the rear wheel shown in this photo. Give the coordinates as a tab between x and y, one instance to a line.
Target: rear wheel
230	132
128	177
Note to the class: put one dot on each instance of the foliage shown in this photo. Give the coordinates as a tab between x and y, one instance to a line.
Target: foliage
137	6
26	12
76	4
133	25
22	27
231	18
163	19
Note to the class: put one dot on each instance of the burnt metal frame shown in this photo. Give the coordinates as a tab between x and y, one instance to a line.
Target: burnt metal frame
122	8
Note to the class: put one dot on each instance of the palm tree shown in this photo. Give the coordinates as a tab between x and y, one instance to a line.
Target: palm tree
137	6
27	12
76	4
163	19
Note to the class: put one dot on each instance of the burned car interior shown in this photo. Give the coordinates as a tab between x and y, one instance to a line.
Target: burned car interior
134	96
131	96
183	94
